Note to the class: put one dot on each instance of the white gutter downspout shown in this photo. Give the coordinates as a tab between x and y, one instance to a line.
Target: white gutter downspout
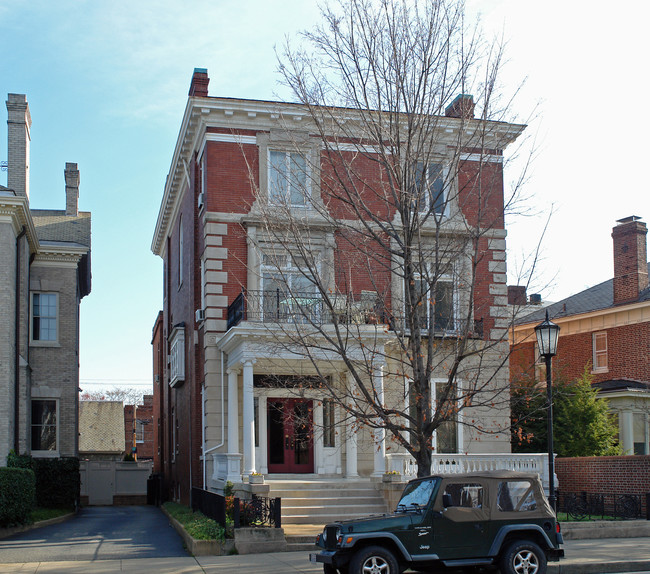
223	428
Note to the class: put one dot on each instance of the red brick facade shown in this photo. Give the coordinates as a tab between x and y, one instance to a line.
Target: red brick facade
143	431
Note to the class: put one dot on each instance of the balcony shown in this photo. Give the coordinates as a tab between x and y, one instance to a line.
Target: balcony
364	308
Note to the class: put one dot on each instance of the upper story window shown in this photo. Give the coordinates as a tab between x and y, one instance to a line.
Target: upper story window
437	304
44	426
429	188
288	181
177	357
600	351
44	317
180	252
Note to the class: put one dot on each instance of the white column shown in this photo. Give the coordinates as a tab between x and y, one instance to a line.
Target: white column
626	431
233	411
380	433
249	420
351	437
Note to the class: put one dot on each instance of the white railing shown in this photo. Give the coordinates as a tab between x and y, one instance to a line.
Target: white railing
405	464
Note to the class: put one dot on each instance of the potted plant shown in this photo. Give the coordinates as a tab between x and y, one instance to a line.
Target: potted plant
255	478
392	476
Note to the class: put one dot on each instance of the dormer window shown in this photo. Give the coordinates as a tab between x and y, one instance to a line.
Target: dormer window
288	182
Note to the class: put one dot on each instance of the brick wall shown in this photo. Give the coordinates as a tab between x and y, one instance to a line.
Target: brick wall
604	474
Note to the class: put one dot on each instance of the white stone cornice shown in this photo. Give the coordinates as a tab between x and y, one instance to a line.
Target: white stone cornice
15	210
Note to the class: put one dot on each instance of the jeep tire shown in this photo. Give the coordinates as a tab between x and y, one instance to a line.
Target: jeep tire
374	560
523	557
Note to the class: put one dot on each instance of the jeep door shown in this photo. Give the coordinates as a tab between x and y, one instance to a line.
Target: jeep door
462	527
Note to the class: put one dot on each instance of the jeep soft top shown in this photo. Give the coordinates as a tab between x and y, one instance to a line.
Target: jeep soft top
473	519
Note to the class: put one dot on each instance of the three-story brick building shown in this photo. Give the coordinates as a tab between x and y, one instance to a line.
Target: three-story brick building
238	294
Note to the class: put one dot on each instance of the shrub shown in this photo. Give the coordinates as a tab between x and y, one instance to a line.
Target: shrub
196	524
58	482
17	495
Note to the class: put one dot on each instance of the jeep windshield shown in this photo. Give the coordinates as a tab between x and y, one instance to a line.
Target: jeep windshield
417	494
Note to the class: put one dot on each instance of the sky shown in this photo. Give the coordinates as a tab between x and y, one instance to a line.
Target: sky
107	85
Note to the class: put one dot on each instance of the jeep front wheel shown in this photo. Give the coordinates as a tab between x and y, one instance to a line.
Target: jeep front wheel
523	557
374	560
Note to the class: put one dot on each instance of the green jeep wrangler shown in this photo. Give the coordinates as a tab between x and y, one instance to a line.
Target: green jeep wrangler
498	518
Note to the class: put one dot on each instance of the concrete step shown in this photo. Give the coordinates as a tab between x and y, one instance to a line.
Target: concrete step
318	511
324	519
291	502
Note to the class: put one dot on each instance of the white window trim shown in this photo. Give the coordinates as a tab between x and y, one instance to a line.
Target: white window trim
307	191
444	174
177	356
459	417
454	304
595	353
47	453
41	342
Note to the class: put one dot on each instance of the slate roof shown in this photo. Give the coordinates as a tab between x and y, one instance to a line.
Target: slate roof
595	298
101	427
55	225
621	385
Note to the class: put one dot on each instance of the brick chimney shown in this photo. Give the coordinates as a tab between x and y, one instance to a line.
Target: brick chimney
200	81
19	123
630	259
461	107
71	175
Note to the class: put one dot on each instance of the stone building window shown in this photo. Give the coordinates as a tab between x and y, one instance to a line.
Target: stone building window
44	426
44	317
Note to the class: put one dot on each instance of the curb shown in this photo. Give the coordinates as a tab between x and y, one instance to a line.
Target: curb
7	532
199	547
595	529
610	567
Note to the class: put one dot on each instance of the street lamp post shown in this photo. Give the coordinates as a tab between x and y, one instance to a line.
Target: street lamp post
547	335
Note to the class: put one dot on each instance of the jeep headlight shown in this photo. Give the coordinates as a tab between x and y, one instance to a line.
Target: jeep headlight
330	536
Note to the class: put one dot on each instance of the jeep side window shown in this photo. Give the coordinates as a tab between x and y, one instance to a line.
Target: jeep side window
515	496
465	495
417	494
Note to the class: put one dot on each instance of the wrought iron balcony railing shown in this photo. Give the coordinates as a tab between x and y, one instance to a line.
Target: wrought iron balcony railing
305	307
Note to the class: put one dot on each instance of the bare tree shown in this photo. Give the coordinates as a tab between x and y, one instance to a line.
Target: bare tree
382	216
127	395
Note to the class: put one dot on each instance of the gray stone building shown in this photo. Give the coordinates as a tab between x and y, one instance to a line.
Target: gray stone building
44	274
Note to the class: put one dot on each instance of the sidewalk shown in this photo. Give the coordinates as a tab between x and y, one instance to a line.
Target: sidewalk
605	555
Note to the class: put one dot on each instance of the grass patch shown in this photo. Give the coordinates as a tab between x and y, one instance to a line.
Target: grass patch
564	517
196	524
39	514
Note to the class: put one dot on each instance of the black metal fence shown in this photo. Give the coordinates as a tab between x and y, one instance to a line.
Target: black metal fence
211	504
588	506
258	511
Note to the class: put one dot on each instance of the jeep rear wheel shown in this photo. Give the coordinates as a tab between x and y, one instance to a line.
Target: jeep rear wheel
523	557
374	560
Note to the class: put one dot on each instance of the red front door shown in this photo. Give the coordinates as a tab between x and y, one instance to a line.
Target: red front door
290	435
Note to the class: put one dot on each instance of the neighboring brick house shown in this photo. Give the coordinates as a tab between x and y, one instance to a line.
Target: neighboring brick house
220	417
101	430
605	327
139	434
44	274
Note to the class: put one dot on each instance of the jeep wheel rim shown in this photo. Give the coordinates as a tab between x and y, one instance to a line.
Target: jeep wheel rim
525	562
375	565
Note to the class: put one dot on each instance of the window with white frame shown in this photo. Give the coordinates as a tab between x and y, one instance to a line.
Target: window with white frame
437	305
287	291
44	425
428	192
329	423
600	351
44	317
288	181
177	356
447	432
139	430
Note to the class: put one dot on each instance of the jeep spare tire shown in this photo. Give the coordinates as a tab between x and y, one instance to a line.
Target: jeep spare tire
523	557
374	560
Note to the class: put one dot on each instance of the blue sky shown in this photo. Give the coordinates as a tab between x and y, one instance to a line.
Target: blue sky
107	85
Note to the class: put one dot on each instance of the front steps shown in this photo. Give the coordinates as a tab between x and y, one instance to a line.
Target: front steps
317	501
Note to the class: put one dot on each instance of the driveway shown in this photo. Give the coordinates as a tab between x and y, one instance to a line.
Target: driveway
98	533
